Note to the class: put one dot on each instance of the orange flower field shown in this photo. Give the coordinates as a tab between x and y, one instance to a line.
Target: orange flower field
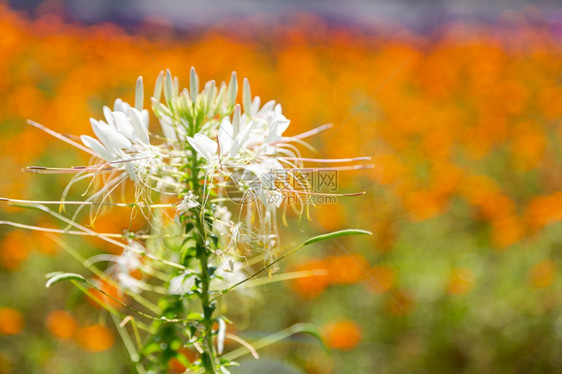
463	124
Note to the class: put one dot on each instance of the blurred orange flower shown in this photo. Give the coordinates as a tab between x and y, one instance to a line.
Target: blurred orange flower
346	269
543	210
507	231
95	338
110	289
11	321
342	335
312	286
61	324
175	366
14	249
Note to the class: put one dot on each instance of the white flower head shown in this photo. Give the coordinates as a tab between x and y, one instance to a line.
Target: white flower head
222	222
123	138
123	265
229	273
181	284
128	282
188	203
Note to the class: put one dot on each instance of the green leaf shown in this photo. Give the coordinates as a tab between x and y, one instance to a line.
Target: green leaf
195	316
336	234
65	276
150	348
308	328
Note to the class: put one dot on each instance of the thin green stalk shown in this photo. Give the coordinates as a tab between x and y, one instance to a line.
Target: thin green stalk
270	339
129	345
203	256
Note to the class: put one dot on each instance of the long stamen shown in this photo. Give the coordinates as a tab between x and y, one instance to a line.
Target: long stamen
71	232
60	136
338	168
328	160
322	193
315	131
52	202
48	170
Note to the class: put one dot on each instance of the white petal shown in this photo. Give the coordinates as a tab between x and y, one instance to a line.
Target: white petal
123	125
225	136
276	129
204	146
255	105
267	107
242	138
284	125
145	117
97	147
140	131
121	106
168	130
107	115
130	169
98	127
117	140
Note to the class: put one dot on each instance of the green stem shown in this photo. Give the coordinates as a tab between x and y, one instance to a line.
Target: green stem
205	277
207	312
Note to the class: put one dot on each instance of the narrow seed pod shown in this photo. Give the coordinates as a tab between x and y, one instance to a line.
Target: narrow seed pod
193	85
158	86
247	97
168	87
232	89
139	94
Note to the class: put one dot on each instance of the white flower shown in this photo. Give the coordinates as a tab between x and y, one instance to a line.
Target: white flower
229	272
123	136
123	132
222	221
248	145
128	262
124	264
127	282
189	202
181	284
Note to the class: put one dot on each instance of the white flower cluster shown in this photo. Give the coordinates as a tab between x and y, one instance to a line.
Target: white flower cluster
236	147
123	138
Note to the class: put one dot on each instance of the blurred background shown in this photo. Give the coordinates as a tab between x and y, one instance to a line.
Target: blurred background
459	103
